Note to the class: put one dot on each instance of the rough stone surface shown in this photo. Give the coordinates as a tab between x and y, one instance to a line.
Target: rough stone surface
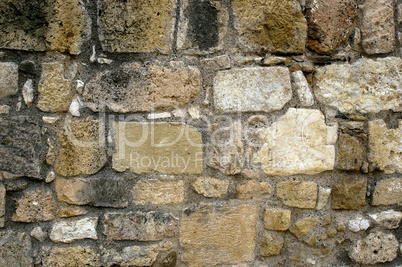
376	248
252	190
15	248
2	205
271	245
67	231
358	224
277	220
135	87
384	147
219	62
65	211
365	86
169	148
71	256
38	233
35	206
330	24
349	193
303	227
323	197
54	89
252	89
218	235
298	143
139	225
378	27
8	79
389	219
21	146
388	192
158	192
99	192
298	194
274	25
302	87
82	149
136	25
349	153
211	187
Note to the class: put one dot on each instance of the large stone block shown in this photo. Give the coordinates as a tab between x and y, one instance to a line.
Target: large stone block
158	192
349	193
67	231
168	148
82	148
35	206
277	26
271	244
252	89
298	143
388	192
8	79
298	194
21	148
135	87
136	25
365	86
218	235
139	225
15	249
70	256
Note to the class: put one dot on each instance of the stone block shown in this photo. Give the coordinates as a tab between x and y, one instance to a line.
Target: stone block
349	153
70	230
298	194
71	256
303	227
38	205
211	187
349	193
15	249
271	245
277	220
158	192
252	190
388	192
8	78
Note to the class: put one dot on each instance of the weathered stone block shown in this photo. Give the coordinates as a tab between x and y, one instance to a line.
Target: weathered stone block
136	25
211	187
139	225
67	231
303	227
349	153
252	89
8	79
277	26
303	89
99	192
71	256
65	211
21	146
365	86
212	235
378	27
168	148
349	193
252	190
158	192
298	194
82	148
15	249
277	220
330	24
271	245
298	143
388	192
389	219
35	206
135	87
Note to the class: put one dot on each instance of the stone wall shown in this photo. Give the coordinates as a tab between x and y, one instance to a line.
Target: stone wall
200	132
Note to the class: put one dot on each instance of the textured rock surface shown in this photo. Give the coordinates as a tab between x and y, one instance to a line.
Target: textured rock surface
384	145
139	225
2	205
303	227
298	194
20	146
252	89
277	220
358	224
38	205
271	245
211	187
38	233
365	86
99	192
378	27
330	24
65	211
349	193
136	25
169	148
275	25
138	88
82	149
252	190
323	197
349	153
389	219
298	143
70	256
225	236
54	89
15	248
302	87
8	79
375	248
67	231
388	192
158	192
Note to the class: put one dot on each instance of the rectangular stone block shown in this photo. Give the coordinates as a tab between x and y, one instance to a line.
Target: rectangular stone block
298	194
67	231
388	192
139	225
218	235
70	256
8	79
15	249
38	205
158	192
168	148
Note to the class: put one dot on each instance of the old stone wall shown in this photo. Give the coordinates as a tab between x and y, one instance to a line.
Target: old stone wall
200	133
